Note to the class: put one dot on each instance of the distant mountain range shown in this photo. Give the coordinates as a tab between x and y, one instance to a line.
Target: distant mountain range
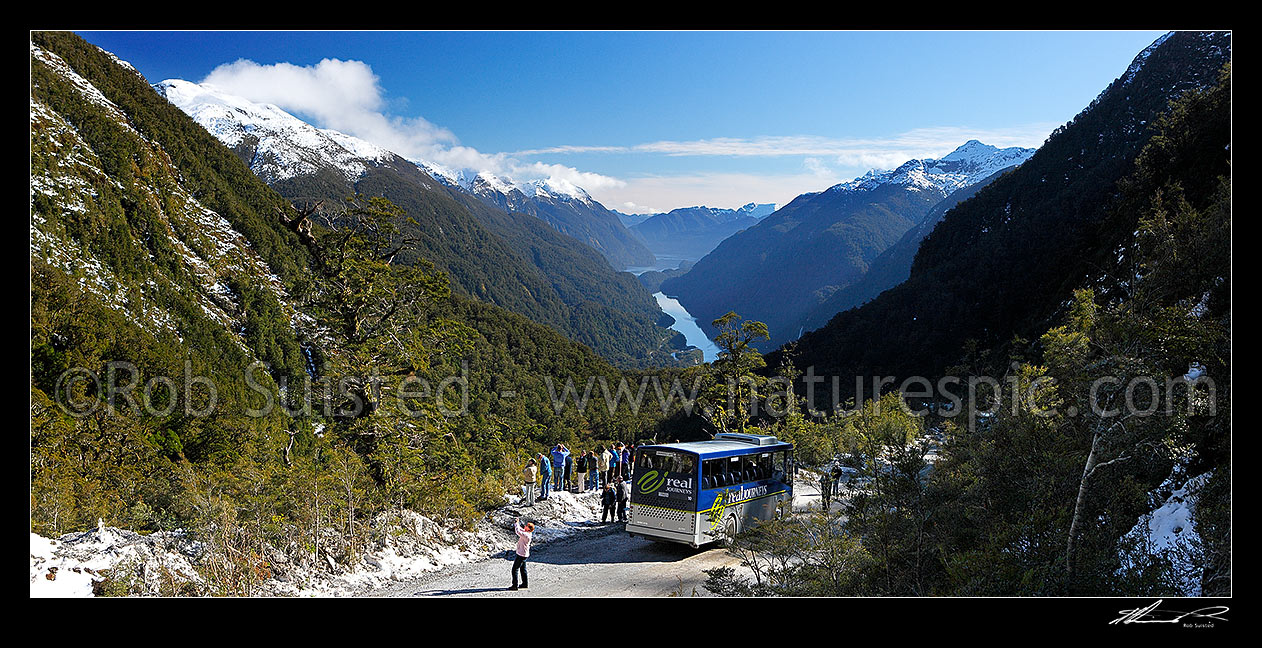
692	232
783	267
565	206
892	266
497	244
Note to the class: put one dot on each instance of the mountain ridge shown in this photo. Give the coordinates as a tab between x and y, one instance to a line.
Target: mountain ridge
1035	233
781	268
513	260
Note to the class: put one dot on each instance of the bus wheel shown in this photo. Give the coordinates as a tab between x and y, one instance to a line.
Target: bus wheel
729	532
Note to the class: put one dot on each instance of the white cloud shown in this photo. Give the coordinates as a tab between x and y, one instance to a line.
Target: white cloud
817	166
347	96
342	95
867	152
630	207
826	161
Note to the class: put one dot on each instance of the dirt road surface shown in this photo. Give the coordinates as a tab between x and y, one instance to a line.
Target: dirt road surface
602	561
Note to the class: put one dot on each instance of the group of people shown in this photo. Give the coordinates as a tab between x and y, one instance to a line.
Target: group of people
595	469
608	469
615	494
830	480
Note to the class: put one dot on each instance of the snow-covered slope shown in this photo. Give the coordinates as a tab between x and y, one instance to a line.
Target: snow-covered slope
70	184
482	183
283	145
287	146
970	163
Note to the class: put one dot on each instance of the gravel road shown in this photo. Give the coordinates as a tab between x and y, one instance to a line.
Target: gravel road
603	561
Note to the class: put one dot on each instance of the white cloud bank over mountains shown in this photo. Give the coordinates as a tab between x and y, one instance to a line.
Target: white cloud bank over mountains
347	96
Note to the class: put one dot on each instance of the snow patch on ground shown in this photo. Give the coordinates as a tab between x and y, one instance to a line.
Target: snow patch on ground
404	545
410	545
77	563
1171	531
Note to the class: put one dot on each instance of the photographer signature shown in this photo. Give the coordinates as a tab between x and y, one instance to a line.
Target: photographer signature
1151	614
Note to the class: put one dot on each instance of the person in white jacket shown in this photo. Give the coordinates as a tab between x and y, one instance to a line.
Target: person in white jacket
603	463
524	535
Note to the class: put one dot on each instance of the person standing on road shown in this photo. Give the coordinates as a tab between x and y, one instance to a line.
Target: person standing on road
624	494
524	535
529	476
626	463
605	456
545	476
826	488
607	501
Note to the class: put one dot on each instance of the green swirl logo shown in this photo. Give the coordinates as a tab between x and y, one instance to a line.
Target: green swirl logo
650	481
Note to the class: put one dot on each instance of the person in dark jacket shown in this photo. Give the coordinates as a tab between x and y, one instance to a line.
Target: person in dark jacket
607	501
624	494
568	478
580	472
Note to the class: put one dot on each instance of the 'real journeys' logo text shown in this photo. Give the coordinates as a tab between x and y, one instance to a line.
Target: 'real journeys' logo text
653	480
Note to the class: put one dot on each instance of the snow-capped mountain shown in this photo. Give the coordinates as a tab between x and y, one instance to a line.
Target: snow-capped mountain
822	242
286	146
555	252
281	145
970	163
564	205
484	182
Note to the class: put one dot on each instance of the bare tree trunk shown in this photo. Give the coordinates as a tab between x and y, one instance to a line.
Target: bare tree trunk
1093	463
1078	505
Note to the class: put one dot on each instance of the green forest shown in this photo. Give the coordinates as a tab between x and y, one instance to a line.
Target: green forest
304	372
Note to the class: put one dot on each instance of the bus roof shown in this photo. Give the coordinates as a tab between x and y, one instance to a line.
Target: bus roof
721	447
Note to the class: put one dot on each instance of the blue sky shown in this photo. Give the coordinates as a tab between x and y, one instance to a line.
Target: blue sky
658	120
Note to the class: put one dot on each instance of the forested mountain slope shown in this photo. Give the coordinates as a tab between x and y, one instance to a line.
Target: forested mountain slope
510	260
153	245
893	265
778	270
1003	262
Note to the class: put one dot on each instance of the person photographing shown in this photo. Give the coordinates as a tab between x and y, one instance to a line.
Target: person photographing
524	535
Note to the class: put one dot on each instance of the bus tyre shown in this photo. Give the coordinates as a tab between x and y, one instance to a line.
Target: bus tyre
730	529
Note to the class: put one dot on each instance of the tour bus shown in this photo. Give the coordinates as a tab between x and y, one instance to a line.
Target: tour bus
708	491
